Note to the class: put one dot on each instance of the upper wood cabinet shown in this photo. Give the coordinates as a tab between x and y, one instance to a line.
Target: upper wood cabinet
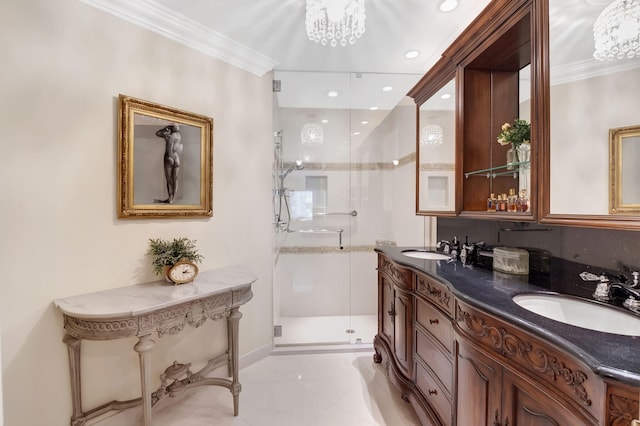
495	66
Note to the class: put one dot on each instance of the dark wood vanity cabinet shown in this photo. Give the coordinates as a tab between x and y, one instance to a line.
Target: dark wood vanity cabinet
459	365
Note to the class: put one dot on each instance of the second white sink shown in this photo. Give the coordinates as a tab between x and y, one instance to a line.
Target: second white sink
424	254
581	313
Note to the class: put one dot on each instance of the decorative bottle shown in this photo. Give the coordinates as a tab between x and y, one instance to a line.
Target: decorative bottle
523	201
491	203
512	201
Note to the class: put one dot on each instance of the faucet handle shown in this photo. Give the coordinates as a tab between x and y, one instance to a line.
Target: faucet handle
635	279
588	276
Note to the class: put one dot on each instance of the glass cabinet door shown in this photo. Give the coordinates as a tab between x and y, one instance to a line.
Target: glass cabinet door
436	152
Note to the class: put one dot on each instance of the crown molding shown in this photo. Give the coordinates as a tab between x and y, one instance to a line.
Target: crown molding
588	68
166	22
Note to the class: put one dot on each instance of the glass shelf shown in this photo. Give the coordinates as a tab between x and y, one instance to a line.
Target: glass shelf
498	170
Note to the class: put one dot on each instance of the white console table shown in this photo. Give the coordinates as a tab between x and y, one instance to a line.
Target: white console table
156	307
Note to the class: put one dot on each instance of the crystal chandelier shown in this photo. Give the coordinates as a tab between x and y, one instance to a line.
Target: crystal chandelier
335	21
617	31
311	134
431	135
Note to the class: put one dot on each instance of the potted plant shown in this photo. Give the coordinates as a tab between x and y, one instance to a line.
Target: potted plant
167	253
518	134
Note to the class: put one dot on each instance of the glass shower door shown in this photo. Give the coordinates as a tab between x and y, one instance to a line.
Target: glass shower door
313	220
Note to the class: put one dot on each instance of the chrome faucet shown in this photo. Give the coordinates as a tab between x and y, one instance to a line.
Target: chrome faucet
606	290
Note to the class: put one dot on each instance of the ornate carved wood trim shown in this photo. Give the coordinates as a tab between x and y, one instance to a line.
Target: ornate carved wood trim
622	405
401	276
435	292
521	350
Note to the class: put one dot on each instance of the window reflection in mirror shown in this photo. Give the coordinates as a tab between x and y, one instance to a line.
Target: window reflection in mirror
625	174
587	98
436	152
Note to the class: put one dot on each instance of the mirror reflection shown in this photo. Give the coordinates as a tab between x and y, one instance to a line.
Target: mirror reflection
436	152
588	97
625	174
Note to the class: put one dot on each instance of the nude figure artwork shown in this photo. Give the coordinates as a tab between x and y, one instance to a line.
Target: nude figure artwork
173	150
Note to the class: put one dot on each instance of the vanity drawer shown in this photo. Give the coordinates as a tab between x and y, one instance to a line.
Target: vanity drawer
437	293
435	322
433	393
432	356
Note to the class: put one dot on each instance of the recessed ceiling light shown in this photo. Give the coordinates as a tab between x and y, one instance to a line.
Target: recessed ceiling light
325	121
411	54
332	94
445	96
355	133
373	108
364	122
447	5
387	88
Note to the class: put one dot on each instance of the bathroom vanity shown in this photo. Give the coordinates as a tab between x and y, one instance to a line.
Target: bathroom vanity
461	351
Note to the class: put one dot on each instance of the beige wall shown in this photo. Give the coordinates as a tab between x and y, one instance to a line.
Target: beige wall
64	64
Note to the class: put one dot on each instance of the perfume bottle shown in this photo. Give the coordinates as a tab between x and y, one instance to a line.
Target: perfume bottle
523	201
491	203
501	204
512	201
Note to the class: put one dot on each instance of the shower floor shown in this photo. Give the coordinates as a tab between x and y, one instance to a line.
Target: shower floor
327	330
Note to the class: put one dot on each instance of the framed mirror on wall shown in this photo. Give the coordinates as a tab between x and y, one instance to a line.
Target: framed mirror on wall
590	92
624	154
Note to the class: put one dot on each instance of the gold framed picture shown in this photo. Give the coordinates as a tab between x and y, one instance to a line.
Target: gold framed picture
165	161
624	179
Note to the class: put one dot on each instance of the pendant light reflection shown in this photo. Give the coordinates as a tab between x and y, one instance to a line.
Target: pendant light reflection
431	135
312	134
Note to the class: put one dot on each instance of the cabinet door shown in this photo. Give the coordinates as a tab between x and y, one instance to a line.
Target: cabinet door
479	388
525	404
403	330
385	308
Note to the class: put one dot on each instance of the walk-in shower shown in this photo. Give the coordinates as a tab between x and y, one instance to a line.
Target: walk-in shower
333	199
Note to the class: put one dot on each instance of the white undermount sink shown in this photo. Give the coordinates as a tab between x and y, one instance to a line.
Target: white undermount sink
580	313
425	254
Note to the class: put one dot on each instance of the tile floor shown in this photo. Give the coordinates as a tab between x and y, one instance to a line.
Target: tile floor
311	389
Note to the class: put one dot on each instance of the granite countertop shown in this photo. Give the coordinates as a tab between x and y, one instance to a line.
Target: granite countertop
608	355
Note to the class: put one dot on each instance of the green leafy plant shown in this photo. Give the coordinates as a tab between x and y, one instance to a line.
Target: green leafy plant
515	134
168	253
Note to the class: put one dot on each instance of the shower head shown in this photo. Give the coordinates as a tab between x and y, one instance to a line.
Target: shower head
298	166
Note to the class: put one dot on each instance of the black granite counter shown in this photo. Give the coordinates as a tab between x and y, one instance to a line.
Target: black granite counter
608	355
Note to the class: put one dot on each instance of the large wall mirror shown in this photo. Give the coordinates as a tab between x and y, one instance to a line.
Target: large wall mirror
588	98
436	151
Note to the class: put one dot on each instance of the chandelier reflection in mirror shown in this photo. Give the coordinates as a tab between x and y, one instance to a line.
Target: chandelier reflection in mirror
431	135
617	31
335	21
311	134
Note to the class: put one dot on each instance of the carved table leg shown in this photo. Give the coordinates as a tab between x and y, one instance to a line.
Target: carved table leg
73	347
233	323
143	347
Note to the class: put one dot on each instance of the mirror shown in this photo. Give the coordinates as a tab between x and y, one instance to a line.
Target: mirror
436	150
624	177
587	98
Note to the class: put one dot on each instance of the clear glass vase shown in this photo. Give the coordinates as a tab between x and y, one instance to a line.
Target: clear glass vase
512	158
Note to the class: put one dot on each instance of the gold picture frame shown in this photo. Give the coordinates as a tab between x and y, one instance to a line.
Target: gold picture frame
165	161
624	170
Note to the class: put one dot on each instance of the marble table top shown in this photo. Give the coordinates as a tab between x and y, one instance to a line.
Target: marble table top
139	299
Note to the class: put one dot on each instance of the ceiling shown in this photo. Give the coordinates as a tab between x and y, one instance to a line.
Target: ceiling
264	35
